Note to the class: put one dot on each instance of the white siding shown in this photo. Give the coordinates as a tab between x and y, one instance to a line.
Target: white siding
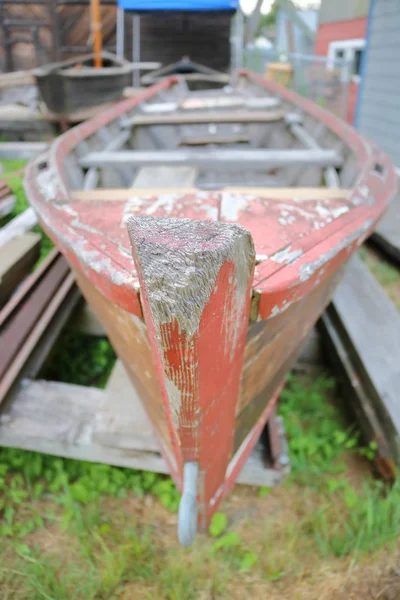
379	110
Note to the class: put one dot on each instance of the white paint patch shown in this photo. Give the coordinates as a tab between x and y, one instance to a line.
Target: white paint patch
211	211
286	256
132	206
175	400
309	269
278	310
166	202
49	184
100	264
232	205
337	212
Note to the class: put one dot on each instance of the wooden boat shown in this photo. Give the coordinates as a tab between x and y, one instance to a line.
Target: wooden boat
243	206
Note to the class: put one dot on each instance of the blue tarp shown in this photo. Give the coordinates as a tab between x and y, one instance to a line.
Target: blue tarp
149	5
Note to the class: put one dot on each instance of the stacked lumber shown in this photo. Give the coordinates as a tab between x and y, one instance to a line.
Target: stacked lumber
361	333
31	320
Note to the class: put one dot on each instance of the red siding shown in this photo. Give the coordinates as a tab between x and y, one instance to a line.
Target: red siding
342	30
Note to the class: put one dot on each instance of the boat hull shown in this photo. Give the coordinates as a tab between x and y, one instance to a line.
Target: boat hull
270	352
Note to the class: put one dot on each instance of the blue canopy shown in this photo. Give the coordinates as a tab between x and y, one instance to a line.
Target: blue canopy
150	5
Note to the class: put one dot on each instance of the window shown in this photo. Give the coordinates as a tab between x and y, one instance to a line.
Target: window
345	55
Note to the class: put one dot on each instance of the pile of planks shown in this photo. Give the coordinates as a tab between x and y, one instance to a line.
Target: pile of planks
361	335
34	302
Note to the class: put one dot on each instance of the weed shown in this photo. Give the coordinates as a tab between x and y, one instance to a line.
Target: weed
357	522
218	524
80	359
317	435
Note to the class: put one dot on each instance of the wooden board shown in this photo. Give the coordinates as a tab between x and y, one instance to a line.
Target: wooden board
19	225
180	118
16	78
361	331
172	176
21	150
102	426
312	193
17	258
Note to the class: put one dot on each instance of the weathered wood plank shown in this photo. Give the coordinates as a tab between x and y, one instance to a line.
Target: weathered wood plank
20	224
197	315
361	330
16	78
118	194
26	316
331	176
78	422
210	158
17	258
169	176
22	150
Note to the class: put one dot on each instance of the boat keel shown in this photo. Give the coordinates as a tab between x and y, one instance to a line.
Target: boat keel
195	285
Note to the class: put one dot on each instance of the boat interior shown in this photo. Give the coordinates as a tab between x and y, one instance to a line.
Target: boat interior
228	138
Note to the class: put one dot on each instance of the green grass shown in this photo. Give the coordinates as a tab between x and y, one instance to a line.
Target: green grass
80	359
318	436
104	548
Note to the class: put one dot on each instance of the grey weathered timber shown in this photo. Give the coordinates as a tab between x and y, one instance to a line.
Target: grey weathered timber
20	224
92	176
361	330
79	422
170	176
387	234
23	150
232	159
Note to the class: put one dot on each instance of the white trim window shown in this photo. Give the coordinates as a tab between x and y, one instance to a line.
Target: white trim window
347	54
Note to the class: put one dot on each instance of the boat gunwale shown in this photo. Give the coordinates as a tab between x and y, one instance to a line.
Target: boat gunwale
369	183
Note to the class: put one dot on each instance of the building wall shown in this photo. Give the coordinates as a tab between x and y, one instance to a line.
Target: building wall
332	11
340	30
379	109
